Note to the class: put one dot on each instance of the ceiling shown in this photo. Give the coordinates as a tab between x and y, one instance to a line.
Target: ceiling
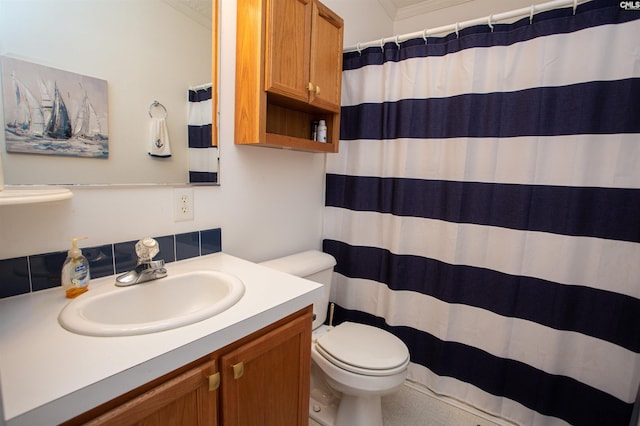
399	9
200	10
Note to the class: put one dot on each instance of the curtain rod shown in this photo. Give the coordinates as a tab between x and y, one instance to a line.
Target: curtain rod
489	20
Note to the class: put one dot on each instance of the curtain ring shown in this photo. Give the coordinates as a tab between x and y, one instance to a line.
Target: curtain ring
156	104
457	30
425	34
490	22
575	6
382	44
398	41
359	49
533	7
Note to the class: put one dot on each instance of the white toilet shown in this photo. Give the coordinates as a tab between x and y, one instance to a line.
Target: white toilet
360	363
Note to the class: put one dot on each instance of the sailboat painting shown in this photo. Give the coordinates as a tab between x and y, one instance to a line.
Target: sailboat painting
55	112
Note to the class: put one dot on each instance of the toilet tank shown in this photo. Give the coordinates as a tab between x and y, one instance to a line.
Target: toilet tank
312	265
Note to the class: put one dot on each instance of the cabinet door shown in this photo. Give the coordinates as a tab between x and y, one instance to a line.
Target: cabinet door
326	58
266	381
189	399
288	34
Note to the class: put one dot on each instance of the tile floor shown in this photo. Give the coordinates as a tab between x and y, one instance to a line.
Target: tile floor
410	407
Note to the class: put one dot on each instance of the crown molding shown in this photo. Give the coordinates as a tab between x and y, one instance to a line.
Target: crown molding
390	7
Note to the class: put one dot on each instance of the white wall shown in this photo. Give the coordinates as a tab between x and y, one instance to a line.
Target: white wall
364	20
462	12
269	203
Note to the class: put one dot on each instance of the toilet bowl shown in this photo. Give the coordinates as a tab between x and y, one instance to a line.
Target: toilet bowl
363	363
353	365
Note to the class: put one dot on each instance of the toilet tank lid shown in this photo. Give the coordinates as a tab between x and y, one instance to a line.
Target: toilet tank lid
302	264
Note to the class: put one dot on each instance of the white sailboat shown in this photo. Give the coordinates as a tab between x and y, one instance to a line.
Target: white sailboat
28	118
46	103
87	123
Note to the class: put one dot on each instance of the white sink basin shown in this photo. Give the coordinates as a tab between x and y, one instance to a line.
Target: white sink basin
152	306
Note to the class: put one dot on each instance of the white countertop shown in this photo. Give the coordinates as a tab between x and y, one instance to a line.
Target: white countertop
49	375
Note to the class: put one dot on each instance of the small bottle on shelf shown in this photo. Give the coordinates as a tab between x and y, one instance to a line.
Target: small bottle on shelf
321	134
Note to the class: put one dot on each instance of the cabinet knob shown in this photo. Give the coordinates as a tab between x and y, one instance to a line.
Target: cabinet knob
214	381
238	370
313	89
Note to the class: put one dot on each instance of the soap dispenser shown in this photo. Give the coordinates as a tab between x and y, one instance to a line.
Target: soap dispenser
75	271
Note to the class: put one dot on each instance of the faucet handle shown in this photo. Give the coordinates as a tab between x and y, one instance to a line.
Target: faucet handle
146	249
156	264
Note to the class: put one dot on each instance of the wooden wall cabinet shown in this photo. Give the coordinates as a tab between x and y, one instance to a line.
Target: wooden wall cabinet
288	73
262	379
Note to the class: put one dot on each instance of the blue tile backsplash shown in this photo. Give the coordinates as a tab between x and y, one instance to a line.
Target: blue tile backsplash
41	271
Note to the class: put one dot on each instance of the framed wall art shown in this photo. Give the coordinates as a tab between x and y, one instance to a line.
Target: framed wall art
53	112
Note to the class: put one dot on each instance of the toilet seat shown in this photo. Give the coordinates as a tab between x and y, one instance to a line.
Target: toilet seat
363	349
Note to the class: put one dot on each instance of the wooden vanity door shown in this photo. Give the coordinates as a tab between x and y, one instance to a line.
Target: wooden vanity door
188	399
266	381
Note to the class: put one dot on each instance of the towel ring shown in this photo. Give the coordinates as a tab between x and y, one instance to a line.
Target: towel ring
154	105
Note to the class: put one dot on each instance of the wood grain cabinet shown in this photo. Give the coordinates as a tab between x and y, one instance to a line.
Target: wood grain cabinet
262	379
266	380
288	73
184	400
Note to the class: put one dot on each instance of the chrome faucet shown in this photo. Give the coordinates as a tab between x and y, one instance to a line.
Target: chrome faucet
146	268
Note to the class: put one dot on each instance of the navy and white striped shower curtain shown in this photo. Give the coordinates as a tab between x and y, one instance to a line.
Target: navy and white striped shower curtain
485	208
203	157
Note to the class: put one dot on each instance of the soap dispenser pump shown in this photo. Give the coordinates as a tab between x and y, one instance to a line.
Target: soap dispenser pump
75	271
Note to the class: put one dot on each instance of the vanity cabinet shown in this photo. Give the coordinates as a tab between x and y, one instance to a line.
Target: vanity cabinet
288	73
184	400
266	381
261	379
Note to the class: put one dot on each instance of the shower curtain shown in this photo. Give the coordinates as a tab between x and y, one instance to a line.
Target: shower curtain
485	208
203	157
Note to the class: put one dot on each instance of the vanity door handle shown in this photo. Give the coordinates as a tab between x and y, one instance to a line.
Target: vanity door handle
238	370
214	381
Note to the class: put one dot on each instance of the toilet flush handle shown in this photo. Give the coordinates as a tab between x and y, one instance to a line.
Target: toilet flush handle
331	308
